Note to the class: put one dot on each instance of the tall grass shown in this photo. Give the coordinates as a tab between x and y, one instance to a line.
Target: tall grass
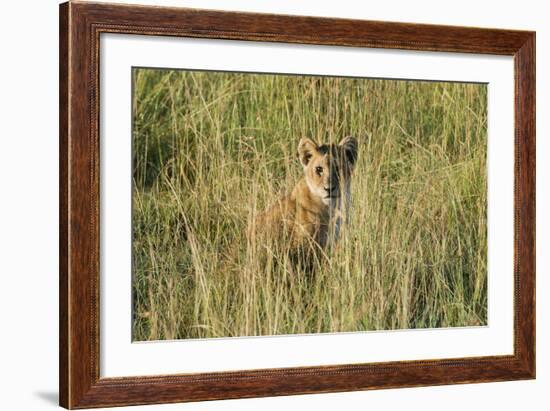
212	149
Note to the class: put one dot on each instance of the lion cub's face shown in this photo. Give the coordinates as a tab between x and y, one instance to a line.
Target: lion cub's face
328	167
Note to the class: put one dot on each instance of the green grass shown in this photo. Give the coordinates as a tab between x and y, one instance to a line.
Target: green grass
212	149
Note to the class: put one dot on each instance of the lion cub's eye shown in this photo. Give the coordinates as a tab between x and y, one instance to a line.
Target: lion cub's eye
319	170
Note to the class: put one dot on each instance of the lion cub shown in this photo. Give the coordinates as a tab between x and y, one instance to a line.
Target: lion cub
308	220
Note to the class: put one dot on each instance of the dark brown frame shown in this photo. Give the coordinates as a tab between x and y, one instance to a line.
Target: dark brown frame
80	27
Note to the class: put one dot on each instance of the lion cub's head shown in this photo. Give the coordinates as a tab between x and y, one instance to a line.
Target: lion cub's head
328	167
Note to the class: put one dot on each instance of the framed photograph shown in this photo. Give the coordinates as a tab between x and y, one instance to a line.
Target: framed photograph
258	205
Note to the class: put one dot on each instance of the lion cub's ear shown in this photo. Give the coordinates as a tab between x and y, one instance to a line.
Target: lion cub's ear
306	148
349	145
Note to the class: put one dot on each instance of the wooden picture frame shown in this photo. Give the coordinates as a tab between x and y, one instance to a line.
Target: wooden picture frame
80	27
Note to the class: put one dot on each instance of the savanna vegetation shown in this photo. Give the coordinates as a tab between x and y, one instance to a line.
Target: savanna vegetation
210	150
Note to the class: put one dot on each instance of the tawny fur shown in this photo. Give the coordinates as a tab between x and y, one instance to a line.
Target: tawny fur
308	220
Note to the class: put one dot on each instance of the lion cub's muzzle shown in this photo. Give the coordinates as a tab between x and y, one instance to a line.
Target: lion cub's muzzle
332	192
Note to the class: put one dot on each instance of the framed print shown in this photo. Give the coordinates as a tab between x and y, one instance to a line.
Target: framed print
258	205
